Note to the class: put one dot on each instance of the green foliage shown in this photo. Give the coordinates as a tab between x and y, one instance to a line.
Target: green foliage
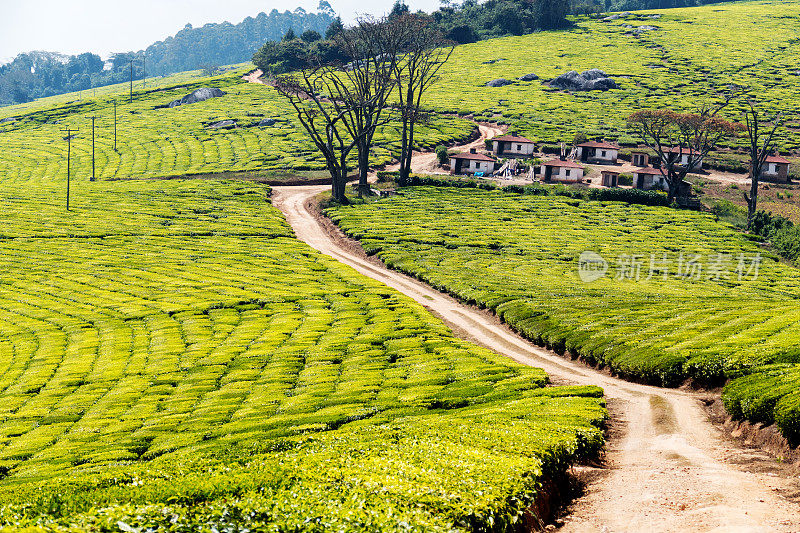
518	255
157	142
172	357
663	67
441	154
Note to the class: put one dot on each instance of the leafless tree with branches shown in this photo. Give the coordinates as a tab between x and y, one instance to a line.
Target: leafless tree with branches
672	135
761	146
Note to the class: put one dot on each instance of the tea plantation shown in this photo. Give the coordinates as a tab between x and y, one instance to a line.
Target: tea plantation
153	141
684	297
172	357
688	56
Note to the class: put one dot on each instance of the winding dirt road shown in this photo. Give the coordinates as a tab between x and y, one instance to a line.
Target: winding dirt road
669	469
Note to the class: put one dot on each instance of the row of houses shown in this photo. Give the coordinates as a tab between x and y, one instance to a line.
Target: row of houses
569	169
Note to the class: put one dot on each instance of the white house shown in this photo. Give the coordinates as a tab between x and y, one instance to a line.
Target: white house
685	156
562	171
650	179
597	152
512	146
472	162
609	178
640	158
776	168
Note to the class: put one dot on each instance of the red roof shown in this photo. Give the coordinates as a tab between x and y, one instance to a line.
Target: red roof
777	159
677	149
649	170
559	163
598	144
512	138
474	157
615	172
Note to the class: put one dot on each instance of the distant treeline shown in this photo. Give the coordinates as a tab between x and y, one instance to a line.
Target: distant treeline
38	74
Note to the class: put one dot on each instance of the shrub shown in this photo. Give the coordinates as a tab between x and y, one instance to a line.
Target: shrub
441	155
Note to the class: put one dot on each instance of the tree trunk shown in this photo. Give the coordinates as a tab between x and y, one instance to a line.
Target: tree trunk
363	171
402	179
752	201
410	151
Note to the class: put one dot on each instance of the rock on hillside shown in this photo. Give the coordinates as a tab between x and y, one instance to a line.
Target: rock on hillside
500	82
589	80
200	95
528	77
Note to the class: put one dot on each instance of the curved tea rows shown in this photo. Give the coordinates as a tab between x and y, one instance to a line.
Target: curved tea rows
171	344
518	255
159	142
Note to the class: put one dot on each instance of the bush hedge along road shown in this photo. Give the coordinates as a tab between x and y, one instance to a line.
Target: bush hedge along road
170	355
519	256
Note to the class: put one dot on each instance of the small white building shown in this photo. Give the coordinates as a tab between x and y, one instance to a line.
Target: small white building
562	171
472	162
597	152
776	168
650	179
512	145
686	157
609	178
640	158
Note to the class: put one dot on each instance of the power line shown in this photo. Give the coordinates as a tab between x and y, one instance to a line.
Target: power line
70	132
93	167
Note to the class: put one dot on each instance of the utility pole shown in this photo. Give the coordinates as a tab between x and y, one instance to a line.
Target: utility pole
144	70
131	80
93	167
115	125
70	132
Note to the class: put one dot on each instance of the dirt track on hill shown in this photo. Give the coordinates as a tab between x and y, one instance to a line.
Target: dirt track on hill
667	467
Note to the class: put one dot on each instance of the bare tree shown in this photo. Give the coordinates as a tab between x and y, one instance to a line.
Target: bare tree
421	50
672	135
367	84
323	118
341	106
761	146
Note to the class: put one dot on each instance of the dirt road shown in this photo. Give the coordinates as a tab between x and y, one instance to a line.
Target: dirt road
669	469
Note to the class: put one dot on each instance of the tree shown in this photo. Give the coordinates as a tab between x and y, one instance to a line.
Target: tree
369	81
398	9
310	36
340	106
289	35
334	28
672	135
761	146
421	50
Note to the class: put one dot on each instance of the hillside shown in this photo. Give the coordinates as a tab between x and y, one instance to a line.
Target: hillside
170	343
692	54
153	141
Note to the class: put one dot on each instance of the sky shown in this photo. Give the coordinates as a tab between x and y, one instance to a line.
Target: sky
105	26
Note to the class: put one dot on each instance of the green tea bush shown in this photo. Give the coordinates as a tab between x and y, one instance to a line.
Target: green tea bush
172	357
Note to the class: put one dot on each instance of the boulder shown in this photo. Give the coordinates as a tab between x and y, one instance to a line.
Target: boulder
493	61
528	77
200	95
223	125
500	82
588	80
267	122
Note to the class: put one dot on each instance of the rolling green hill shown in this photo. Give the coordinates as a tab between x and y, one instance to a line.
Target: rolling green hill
171	344
692	54
683	298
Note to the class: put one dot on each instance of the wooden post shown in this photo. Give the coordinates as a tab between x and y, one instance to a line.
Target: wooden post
115	125
131	81
93	167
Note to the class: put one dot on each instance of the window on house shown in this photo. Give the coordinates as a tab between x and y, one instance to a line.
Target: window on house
603	153
566	172
519	147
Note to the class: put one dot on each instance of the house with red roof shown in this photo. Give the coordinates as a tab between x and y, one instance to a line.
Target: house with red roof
472	162
776	168
562	171
687	157
512	145
599	152
650	179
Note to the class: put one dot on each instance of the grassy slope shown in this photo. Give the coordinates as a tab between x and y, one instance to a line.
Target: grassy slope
695	53
169	142
170	344
518	255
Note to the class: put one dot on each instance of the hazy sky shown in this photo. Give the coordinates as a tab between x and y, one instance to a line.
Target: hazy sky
104	26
